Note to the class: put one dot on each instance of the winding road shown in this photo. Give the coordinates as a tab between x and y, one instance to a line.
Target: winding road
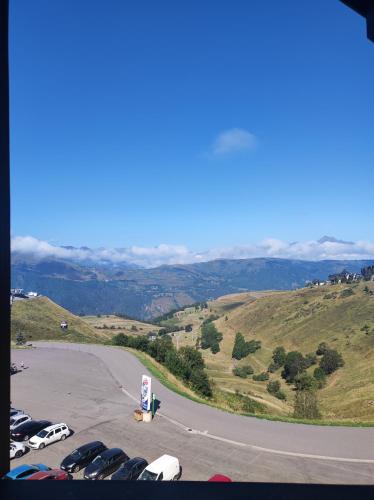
327	443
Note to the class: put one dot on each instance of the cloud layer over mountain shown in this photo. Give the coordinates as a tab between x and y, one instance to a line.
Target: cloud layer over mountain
325	248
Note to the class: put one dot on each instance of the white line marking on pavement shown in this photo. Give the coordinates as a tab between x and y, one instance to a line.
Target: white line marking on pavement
252	446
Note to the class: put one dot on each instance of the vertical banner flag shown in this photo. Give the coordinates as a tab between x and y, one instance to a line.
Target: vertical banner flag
146	394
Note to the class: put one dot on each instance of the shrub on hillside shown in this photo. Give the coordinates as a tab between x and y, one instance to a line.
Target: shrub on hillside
306	405
261	377
210	318
347	292
175	365
243	371
210	337
365	329
274	388
241	403
331	361
320	377
159	348
242	348
321	349
253	346
279	356
293	365
310	359
239	350
186	364
272	368
200	383
192	357
305	382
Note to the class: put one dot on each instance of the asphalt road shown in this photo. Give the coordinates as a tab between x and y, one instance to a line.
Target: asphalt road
94	389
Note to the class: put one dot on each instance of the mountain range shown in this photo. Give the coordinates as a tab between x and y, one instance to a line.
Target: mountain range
88	288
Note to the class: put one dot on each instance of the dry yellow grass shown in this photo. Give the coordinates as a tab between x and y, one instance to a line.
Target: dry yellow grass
299	320
113	323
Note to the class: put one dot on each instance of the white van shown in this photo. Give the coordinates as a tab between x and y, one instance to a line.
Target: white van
165	468
52	433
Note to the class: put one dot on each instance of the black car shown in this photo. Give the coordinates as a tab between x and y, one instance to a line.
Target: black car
131	470
25	431
82	456
105	463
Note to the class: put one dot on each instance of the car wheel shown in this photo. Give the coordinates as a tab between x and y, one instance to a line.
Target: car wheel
76	468
63	436
19	454
179	475
41	446
100	477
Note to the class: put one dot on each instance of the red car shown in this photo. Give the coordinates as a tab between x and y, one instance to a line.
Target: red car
50	474
217	478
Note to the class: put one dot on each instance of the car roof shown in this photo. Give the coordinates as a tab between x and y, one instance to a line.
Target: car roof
220	478
111	452
33	423
45	473
53	426
40	474
22	468
136	460
133	461
88	446
158	465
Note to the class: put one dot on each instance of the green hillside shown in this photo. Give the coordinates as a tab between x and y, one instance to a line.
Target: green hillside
299	321
40	318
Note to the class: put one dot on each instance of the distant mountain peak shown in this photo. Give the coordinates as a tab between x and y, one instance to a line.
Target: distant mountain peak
331	239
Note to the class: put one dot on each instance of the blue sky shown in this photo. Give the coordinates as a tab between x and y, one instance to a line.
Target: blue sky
199	124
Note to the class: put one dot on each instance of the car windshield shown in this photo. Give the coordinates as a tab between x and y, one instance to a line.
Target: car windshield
148	476
75	454
12	420
99	460
42	433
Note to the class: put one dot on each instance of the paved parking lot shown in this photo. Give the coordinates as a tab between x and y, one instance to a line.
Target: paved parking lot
78	389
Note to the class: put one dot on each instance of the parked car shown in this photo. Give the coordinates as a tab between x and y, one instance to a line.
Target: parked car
18	420
25	431
24	471
50	474
219	478
165	468
14	411
82	456
104	464
130	470
50	434
16	450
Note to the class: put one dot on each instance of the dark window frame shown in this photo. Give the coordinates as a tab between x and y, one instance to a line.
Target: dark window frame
95	490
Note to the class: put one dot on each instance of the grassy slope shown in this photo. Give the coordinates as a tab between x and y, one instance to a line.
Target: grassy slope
120	324
300	320
41	319
297	320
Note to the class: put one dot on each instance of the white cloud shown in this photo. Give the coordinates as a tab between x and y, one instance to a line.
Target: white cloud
233	140
180	254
